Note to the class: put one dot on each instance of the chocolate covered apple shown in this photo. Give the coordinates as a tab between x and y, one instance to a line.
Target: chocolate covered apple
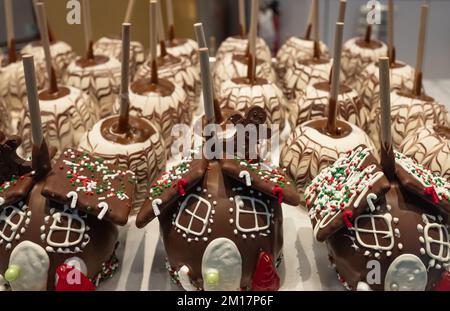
58	224
220	219
130	142
393	215
316	144
66	112
297	49
430	146
99	75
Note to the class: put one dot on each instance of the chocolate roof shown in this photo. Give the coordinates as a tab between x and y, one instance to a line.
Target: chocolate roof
91	185
423	182
344	190
10	163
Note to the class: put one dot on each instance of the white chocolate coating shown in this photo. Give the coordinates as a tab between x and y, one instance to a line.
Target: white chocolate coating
295	49
64	121
239	45
101	81
356	58
181	73
308	151
163	111
13	89
112	47
407	115
299	75
146	159
314	105
239	97
430	149
188	50
62	55
228	68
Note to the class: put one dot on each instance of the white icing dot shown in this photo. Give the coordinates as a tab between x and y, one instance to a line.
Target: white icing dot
377	255
253	236
231	220
422	251
421	239
231	199
419	228
209	196
205	239
366	253
388	253
400	245
395	219
244	236
209	230
235	231
215	202
231	210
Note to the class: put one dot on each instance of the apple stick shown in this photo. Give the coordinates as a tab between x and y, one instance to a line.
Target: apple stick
87	23
124	97
171	25
161	31
200	35
50	32
208	96
153	53
387	155
391	49
42	19
420	50
334	92
129	11
309	24
251	66
12	56
342	9
242	21
315	17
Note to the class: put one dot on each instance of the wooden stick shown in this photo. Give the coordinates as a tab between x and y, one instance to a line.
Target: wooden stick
129	12
251	67
87	23
153	53
342	9
124	97
9	15
42	20
391	30
33	99
421	50
334	92
170	22
368	35
387	155
208	96
161	30
316	29
200	35
310	21
242	21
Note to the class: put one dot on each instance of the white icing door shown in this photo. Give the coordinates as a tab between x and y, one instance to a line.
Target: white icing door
33	263
221	266
406	273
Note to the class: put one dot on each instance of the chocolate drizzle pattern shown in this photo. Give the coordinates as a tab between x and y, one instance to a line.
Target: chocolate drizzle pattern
62	55
427	147
313	105
308	151
64	121
112	47
355	58
293	50
239	45
101	81
184	48
235	65
299	75
407	115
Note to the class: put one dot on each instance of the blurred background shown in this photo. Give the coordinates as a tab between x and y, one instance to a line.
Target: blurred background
279	19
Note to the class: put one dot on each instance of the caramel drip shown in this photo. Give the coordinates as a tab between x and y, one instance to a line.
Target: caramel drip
308	32
331	121
12	56
97	60
146	86
138	131
90	51
342	129
53	82
417	88
392	56
251	69
316	49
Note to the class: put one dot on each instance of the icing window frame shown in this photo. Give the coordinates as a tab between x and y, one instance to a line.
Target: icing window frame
442	242
7	220
55	228
375	232
239	210
193	215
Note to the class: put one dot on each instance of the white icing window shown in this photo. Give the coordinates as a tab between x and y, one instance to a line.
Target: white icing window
437	241
67	230
252	215
374	231
11	218
193	215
